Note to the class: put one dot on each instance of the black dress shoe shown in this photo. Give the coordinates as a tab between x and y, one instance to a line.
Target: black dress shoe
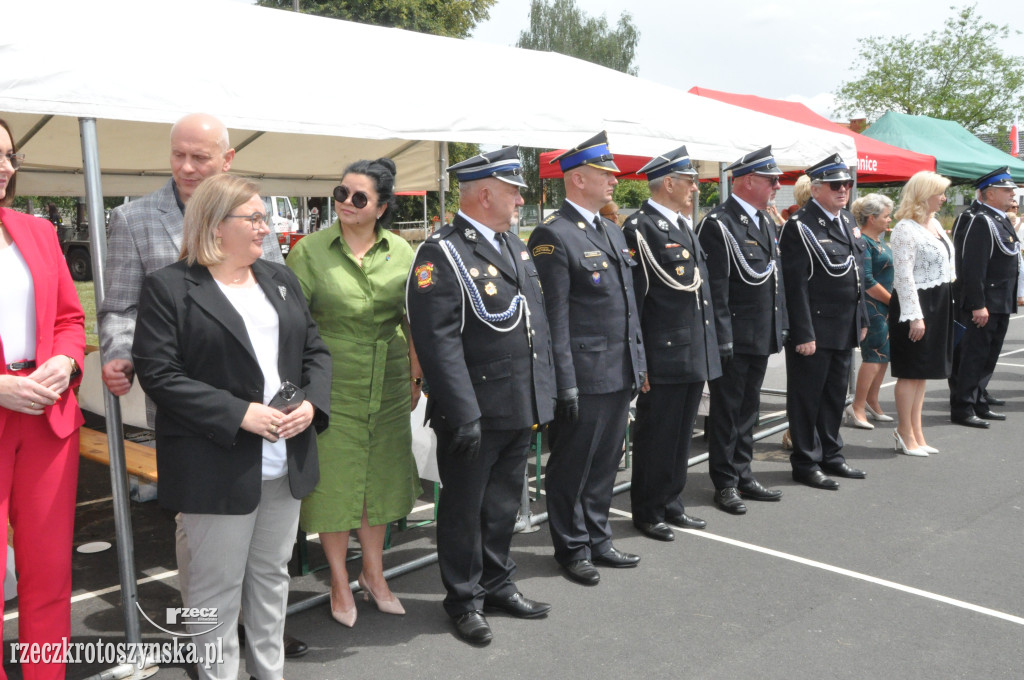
583	572
684	521
844	470
472	627
756	491
517	605
970	421
989	415
617	559
728	499
992	401
659	531
293	647
817	479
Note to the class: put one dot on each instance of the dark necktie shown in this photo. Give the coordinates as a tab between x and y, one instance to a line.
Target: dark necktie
599	225
506	251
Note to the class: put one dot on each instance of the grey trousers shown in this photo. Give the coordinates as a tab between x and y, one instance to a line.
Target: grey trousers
241	562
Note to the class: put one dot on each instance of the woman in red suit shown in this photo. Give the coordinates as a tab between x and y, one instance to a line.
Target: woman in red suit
42	343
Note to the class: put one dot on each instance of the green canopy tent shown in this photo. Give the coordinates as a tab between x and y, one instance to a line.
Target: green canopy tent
959	155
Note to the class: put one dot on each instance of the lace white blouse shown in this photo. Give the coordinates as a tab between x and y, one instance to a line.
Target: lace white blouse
920	261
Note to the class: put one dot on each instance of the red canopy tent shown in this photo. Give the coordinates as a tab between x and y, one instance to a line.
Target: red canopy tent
877	162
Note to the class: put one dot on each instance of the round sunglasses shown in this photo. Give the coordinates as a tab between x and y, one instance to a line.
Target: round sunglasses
359	199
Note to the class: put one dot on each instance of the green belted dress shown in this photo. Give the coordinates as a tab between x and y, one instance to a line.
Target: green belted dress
366	453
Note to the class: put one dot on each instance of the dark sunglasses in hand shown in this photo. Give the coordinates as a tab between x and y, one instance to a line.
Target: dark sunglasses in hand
359	199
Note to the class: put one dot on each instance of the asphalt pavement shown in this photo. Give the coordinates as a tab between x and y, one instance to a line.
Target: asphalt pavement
911	573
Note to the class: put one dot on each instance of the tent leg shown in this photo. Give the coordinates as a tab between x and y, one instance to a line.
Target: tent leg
115	442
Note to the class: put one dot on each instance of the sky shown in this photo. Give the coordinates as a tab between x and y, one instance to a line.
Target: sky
797	50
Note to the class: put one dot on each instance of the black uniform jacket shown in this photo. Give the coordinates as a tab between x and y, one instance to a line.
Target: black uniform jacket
678	326
985	275
751	317
474	371
824	308
595	328
194	359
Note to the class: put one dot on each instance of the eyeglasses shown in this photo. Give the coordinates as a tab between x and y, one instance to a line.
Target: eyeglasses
839	186
14	159
771	179
359	199
255	219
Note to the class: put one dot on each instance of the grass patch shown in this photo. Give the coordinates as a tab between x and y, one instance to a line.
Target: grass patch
87	296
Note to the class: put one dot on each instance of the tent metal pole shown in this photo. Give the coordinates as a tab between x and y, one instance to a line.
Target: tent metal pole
112	407
442	179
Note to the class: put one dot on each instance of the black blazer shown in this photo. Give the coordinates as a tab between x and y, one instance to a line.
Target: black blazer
680	340
194	359
588	294
474	371
827	309
985	275
750	317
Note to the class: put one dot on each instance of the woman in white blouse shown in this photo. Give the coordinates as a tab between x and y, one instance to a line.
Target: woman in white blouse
920	313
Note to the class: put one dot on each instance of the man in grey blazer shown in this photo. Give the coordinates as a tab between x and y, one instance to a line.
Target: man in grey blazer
145	235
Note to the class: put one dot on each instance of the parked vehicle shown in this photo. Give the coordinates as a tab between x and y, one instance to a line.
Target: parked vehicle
283	219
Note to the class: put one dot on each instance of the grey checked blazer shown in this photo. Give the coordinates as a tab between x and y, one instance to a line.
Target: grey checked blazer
144	236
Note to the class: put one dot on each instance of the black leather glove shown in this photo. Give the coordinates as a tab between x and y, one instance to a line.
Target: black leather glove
785	336
725	352
567	406
466	442
637	388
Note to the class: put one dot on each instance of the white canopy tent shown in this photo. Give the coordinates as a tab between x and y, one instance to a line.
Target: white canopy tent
303	96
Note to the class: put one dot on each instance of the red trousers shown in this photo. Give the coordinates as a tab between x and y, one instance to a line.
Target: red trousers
38	480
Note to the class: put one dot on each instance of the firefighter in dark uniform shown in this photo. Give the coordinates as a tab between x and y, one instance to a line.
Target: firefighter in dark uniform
477	318
585	267
748	298
822	261
985	295
673	298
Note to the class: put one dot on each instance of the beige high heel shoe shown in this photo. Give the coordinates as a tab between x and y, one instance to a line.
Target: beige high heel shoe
345	617
391	606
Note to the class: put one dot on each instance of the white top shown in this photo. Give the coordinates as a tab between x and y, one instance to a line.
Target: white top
261	323
919	261
18	312
750	210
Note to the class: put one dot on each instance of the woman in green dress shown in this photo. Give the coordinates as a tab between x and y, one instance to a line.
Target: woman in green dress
353	276
873	214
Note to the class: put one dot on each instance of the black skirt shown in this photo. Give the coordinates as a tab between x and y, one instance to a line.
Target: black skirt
931	356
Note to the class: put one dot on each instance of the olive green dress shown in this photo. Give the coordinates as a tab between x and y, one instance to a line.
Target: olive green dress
366	453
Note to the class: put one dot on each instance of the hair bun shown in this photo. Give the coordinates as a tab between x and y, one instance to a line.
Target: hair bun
389	164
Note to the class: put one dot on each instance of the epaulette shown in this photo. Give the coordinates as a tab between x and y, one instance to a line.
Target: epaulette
443	232
551	218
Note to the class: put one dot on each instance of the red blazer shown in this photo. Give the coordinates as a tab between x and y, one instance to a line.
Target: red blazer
60	322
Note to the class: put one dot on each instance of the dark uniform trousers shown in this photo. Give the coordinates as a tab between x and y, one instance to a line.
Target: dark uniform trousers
829	310
504	379
661	449
750	317
735	401
986	277
681	346
596	344
476	517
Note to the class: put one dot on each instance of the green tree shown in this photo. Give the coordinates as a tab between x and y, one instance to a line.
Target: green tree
451	18
958	73
630	193
561	26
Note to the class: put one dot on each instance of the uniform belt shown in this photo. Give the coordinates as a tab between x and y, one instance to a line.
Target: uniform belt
21	365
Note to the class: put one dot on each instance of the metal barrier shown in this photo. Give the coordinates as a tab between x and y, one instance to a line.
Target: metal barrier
527	523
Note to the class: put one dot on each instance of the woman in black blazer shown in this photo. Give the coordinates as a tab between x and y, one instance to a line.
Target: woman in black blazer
218	334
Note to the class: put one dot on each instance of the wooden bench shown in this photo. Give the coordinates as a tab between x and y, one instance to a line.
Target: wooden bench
140	460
